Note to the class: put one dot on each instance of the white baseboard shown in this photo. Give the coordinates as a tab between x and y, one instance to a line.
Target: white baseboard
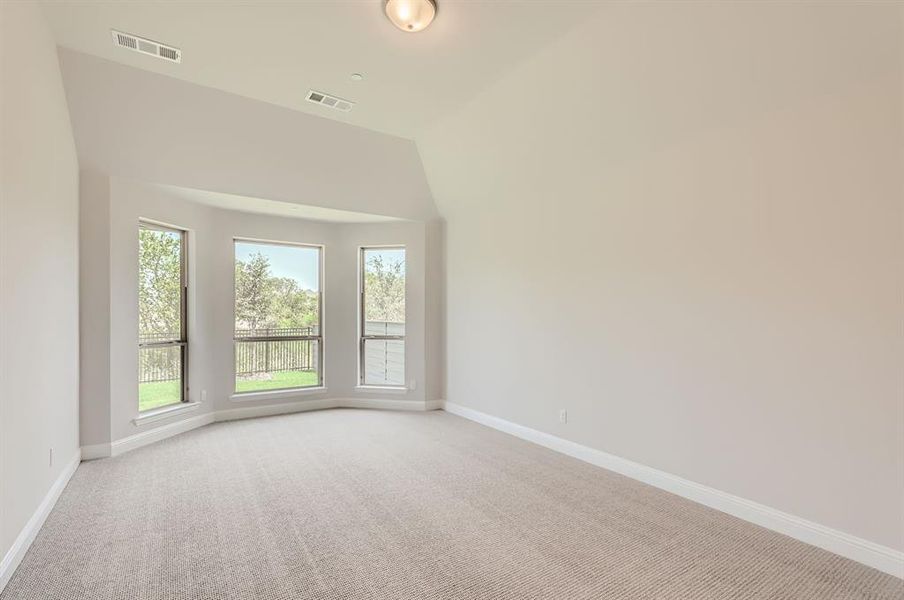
387	404
863	551
434	404
30	531
159	433
95	451
248	412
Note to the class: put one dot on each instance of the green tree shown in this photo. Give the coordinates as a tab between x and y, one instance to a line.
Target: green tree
159	283
384	282
254	293
293	306
263	301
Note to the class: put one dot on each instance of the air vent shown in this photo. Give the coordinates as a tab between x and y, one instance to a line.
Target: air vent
145	46
330	101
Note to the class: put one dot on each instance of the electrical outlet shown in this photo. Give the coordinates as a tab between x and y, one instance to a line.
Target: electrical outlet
203	396
563	416
412	385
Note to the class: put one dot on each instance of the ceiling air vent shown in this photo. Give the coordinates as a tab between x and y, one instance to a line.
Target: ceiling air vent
145	46
329	101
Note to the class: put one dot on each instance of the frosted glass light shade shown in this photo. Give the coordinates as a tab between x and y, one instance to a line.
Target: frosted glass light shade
410	15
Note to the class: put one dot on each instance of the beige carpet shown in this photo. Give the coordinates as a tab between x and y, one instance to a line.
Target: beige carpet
357	504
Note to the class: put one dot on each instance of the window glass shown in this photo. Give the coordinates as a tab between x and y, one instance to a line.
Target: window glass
277	316
382	359
162	340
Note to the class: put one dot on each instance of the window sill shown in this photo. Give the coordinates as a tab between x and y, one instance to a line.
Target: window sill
385	389
252	396
158	414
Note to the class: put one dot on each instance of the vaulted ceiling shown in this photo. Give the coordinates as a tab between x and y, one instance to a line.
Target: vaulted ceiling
276	51
605	82
144	126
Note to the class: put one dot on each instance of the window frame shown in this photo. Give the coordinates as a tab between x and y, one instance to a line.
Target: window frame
321	376
362	337
182	342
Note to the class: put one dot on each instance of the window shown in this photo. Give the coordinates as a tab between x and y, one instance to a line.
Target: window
382	326
162	326
278	316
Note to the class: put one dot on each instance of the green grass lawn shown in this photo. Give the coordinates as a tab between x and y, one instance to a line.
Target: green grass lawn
161	393
281	380
158	393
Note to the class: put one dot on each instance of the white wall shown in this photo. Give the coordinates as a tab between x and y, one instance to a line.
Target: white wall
685	228
114	402
38	271
346	294
436	308
94	308
127	206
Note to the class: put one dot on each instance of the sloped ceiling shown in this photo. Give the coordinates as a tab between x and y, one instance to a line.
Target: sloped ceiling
232	117
276	51
638	78
149	127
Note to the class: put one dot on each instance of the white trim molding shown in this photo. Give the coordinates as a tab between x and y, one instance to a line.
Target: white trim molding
176	427
159	433
282	408
30	531
879	557
95	451
434	404
276	394
159	414
268	410
381	389
385	404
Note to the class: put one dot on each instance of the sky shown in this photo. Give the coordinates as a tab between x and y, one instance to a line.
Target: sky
296	262
300	263
390	255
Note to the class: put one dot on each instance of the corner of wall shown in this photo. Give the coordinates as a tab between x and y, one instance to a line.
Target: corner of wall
94	308
435	282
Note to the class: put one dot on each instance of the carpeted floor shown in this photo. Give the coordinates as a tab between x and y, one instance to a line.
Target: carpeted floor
353	504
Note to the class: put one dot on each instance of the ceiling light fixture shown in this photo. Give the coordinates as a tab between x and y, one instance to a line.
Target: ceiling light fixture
410	15
357	77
